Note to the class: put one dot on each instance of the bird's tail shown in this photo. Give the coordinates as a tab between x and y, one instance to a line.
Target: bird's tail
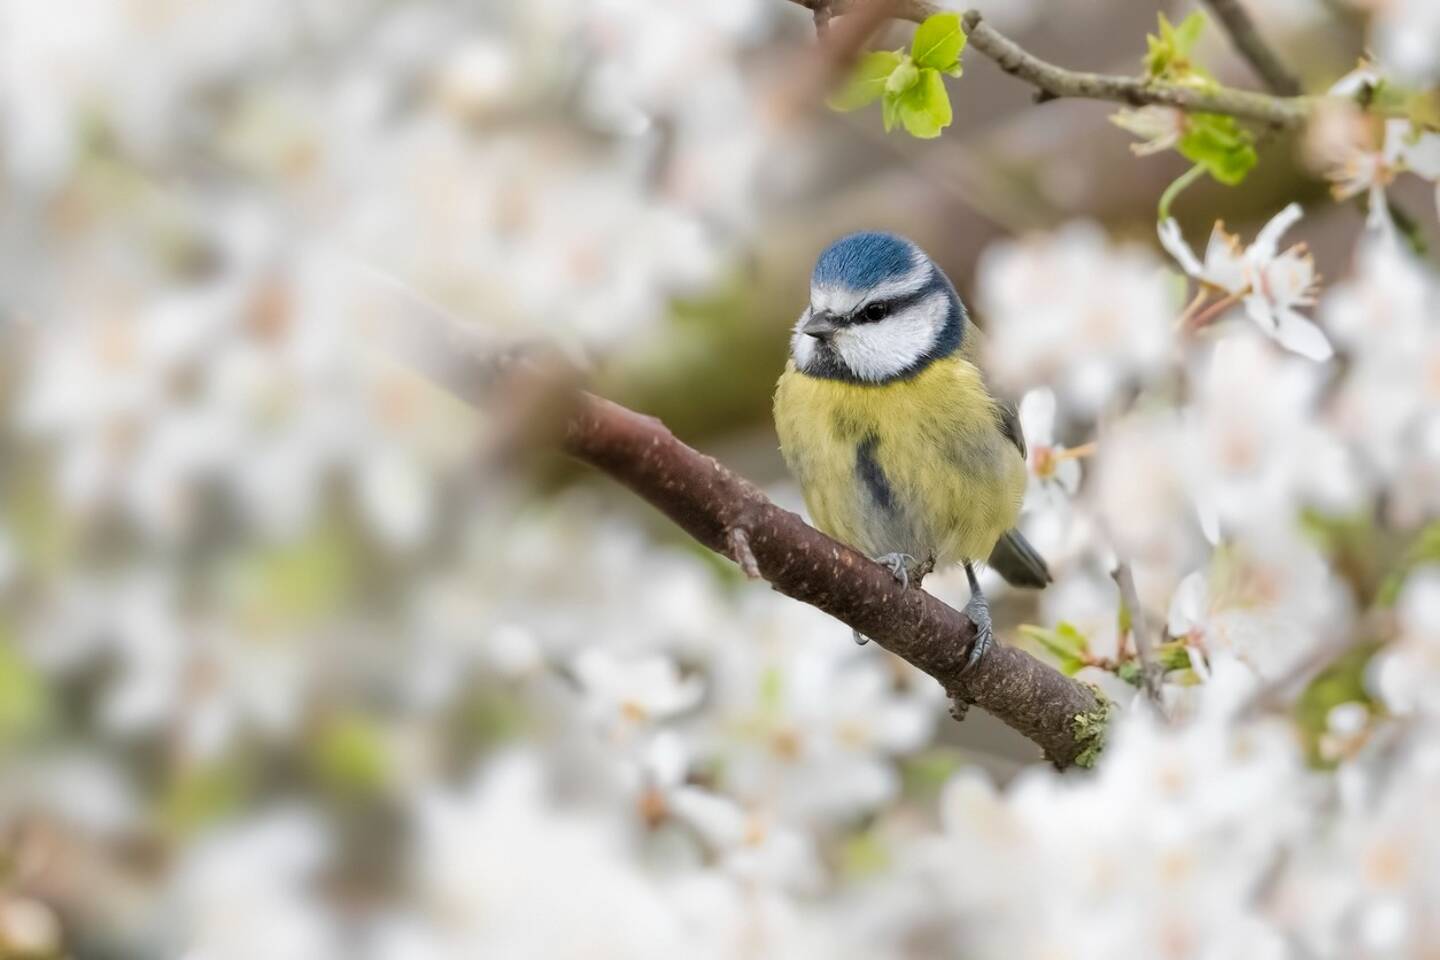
1018	562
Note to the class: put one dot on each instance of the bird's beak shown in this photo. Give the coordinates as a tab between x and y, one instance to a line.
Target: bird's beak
820	326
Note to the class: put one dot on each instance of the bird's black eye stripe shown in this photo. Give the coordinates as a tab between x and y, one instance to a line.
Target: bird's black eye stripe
886	308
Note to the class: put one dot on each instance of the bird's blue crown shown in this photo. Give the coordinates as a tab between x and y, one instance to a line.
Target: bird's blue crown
862	260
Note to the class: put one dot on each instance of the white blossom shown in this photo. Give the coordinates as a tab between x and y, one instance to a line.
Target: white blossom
1111	326
1269	284
1054	471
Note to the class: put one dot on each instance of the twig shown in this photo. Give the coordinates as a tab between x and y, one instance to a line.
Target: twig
1135	91
1124	578
821	9
916	10
1053	81
1265	62
738	542
711	503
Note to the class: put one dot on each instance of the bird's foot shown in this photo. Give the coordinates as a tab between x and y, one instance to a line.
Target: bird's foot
899	565
978	610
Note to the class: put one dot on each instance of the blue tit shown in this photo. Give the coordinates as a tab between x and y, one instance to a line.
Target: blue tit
886	421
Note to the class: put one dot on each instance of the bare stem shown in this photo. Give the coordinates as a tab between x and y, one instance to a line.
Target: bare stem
1054	82
1124	578
1261	57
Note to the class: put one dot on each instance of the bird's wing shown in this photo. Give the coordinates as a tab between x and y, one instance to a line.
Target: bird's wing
1007	418
1015	559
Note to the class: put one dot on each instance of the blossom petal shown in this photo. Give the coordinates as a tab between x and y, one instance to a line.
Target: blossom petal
1267	241
1188	605
1067	475
1225	261
1297	334
1174	243
1209	517
1263	314
1377	218
1037	416
1421	157
1289	279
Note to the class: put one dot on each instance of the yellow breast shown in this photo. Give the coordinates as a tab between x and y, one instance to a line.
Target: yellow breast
916	466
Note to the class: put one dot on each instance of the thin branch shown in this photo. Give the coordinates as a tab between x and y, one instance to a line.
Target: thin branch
916	10
731	516
1261	57
1054	82
1124	578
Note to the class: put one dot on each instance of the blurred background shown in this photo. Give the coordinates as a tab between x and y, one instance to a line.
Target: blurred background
300	658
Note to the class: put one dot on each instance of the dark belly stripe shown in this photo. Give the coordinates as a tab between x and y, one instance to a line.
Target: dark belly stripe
870	474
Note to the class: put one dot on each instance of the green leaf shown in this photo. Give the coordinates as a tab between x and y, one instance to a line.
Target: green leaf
1219	144
863	855
1423	109
24	696
1186	35
927	772
903	78
350	755
1168	55
938	43
867	81
202	794
924	109
1172	655
1343	681
1069	647
890	108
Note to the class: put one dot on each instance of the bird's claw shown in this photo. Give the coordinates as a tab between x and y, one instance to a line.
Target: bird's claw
978	610
899	565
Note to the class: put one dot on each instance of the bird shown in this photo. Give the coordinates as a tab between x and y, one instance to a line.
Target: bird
887	423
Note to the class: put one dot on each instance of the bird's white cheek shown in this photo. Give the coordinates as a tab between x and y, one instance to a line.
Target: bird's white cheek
876	351
802	348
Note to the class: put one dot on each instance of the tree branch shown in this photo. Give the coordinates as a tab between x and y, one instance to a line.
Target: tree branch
731	516
533	392
1261	57
1054	82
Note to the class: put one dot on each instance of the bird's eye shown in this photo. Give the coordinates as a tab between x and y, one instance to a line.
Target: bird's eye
876	311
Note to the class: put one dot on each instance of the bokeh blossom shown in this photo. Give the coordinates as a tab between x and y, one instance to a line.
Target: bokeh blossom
304	653
1109	329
